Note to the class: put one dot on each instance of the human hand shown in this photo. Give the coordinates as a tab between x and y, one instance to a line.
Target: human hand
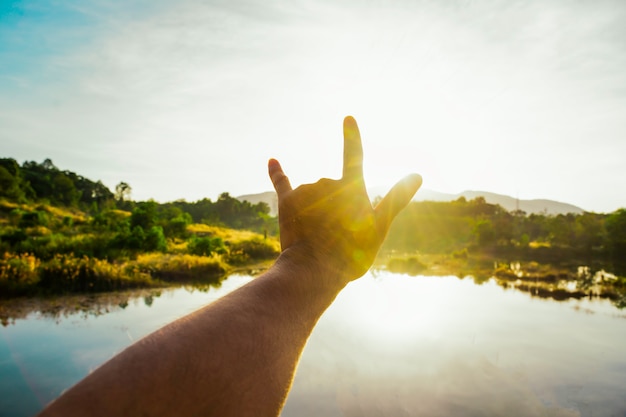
332	222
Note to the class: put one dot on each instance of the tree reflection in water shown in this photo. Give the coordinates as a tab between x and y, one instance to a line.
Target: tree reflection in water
81	305
556	282
538	280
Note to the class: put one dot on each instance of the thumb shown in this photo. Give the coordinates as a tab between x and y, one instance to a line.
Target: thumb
396	199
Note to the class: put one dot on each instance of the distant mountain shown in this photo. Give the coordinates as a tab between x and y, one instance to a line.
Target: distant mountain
538	206
268	197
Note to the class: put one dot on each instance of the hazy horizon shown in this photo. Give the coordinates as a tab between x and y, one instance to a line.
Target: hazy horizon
188	99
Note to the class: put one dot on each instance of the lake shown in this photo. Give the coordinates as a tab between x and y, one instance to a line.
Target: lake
390	345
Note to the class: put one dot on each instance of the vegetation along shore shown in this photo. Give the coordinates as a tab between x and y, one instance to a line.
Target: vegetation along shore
63	233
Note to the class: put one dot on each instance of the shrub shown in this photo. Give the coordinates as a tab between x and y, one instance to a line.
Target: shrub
155	240
144	215
205	246
13	236
177	227
33	218
460	254
139	240
18	273
65	273
252	249
15	216
136	238
114	220
181	267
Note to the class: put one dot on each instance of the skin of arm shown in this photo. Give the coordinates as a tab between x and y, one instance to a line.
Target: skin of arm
237	356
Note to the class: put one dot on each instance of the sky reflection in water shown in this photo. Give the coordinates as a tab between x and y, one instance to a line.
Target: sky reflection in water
390	345
428	346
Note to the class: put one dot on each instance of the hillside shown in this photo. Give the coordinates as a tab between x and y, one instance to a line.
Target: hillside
268	197
538	206
34	181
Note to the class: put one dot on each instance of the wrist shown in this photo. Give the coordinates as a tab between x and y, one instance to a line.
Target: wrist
312	269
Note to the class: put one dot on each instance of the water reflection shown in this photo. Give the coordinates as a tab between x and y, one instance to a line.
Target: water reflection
85	305
584	283
391	344
440	346
48	345
62	307
549	281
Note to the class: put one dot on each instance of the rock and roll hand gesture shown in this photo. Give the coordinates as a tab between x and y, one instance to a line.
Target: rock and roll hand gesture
333	221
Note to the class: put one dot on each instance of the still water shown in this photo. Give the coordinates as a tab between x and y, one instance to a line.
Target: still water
390	345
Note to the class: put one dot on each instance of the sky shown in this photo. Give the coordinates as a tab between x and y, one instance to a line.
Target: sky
189	99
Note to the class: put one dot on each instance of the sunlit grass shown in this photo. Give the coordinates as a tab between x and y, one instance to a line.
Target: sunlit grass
536	244
18	272
62	212
56	257
8	205
256	248
57	212
177	246
120	213
38	231
179	267
24	274
228	235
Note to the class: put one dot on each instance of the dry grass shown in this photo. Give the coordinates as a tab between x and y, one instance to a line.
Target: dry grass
120	213
179	267
62	212
58	213
38	231
227	235
536	244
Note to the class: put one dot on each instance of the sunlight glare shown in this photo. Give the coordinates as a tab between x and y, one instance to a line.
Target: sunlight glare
405	312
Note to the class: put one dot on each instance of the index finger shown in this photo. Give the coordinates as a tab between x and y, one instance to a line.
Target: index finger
278	177
352	150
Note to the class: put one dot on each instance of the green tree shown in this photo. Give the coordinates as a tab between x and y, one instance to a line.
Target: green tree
39	176
561	229
10	185
536	226
33	218
479	207
93	195
155	240
503	226
136	240
64	190
205	246
484	232
145	215
177	226
122	192
589	230
616	233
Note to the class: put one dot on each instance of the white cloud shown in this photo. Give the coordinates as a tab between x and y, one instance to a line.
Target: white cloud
199	95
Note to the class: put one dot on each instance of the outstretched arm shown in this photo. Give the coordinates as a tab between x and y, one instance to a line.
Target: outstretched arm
237	356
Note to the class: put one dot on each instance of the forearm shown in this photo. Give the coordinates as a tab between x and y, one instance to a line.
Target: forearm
234	357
